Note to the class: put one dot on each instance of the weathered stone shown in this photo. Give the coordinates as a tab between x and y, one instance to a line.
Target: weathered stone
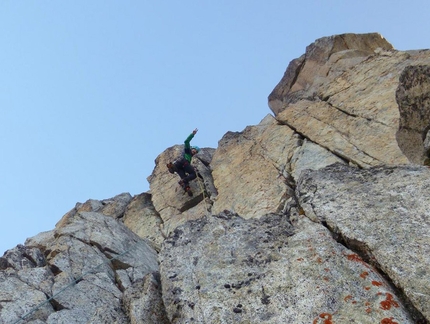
413	97
355	139
40	278
350	107
384	214
225	269
91	228
311	156
141	217
196	212
23	257
17	298
95	296
326	58
427	148
168	198
77	272
144	303
250	169
42	241
114	207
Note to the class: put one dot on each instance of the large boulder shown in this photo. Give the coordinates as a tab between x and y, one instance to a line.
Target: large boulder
368	103
325	59
143	219
250	169
382	213
225	269
113	207
77	273
254	170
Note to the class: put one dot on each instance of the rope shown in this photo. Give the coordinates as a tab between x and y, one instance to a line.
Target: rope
204	196
22	318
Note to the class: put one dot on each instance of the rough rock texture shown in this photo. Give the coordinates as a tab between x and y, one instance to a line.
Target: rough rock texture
265	158
318	214
413	98
143	302
114	207
381	212
143	219
327	57
353	110
168	198
258	156
224	269
78	272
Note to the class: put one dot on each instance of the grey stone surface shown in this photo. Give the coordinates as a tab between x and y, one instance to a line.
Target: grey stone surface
74	279
225	269
384	214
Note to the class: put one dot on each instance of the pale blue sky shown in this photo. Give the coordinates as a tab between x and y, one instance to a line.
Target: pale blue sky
92	91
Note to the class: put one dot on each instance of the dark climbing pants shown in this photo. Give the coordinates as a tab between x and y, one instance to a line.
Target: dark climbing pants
186	172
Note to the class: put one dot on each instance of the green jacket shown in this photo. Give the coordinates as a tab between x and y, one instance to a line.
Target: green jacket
187	151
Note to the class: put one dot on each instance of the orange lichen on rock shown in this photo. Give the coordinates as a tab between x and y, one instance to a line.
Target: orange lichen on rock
388	302
300	259
356	258
347	298
327	318
364	274
377	283
368	307
388	321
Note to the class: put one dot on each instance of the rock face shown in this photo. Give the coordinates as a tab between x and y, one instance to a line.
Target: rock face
356	106
383	214
259	157
171	202
413	97
224	269
79	272
327	57
318	214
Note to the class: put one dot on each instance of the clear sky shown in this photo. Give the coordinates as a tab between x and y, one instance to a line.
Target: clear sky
92	91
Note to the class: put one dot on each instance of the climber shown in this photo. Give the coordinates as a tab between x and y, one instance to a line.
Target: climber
183	167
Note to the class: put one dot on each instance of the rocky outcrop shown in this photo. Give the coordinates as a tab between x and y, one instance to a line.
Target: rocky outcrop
258	156
78	272
413	98
224	269
171	202
382	213
351	107
143	219
318	214
325	60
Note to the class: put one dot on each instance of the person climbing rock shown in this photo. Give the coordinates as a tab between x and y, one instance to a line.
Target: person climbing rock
183	167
